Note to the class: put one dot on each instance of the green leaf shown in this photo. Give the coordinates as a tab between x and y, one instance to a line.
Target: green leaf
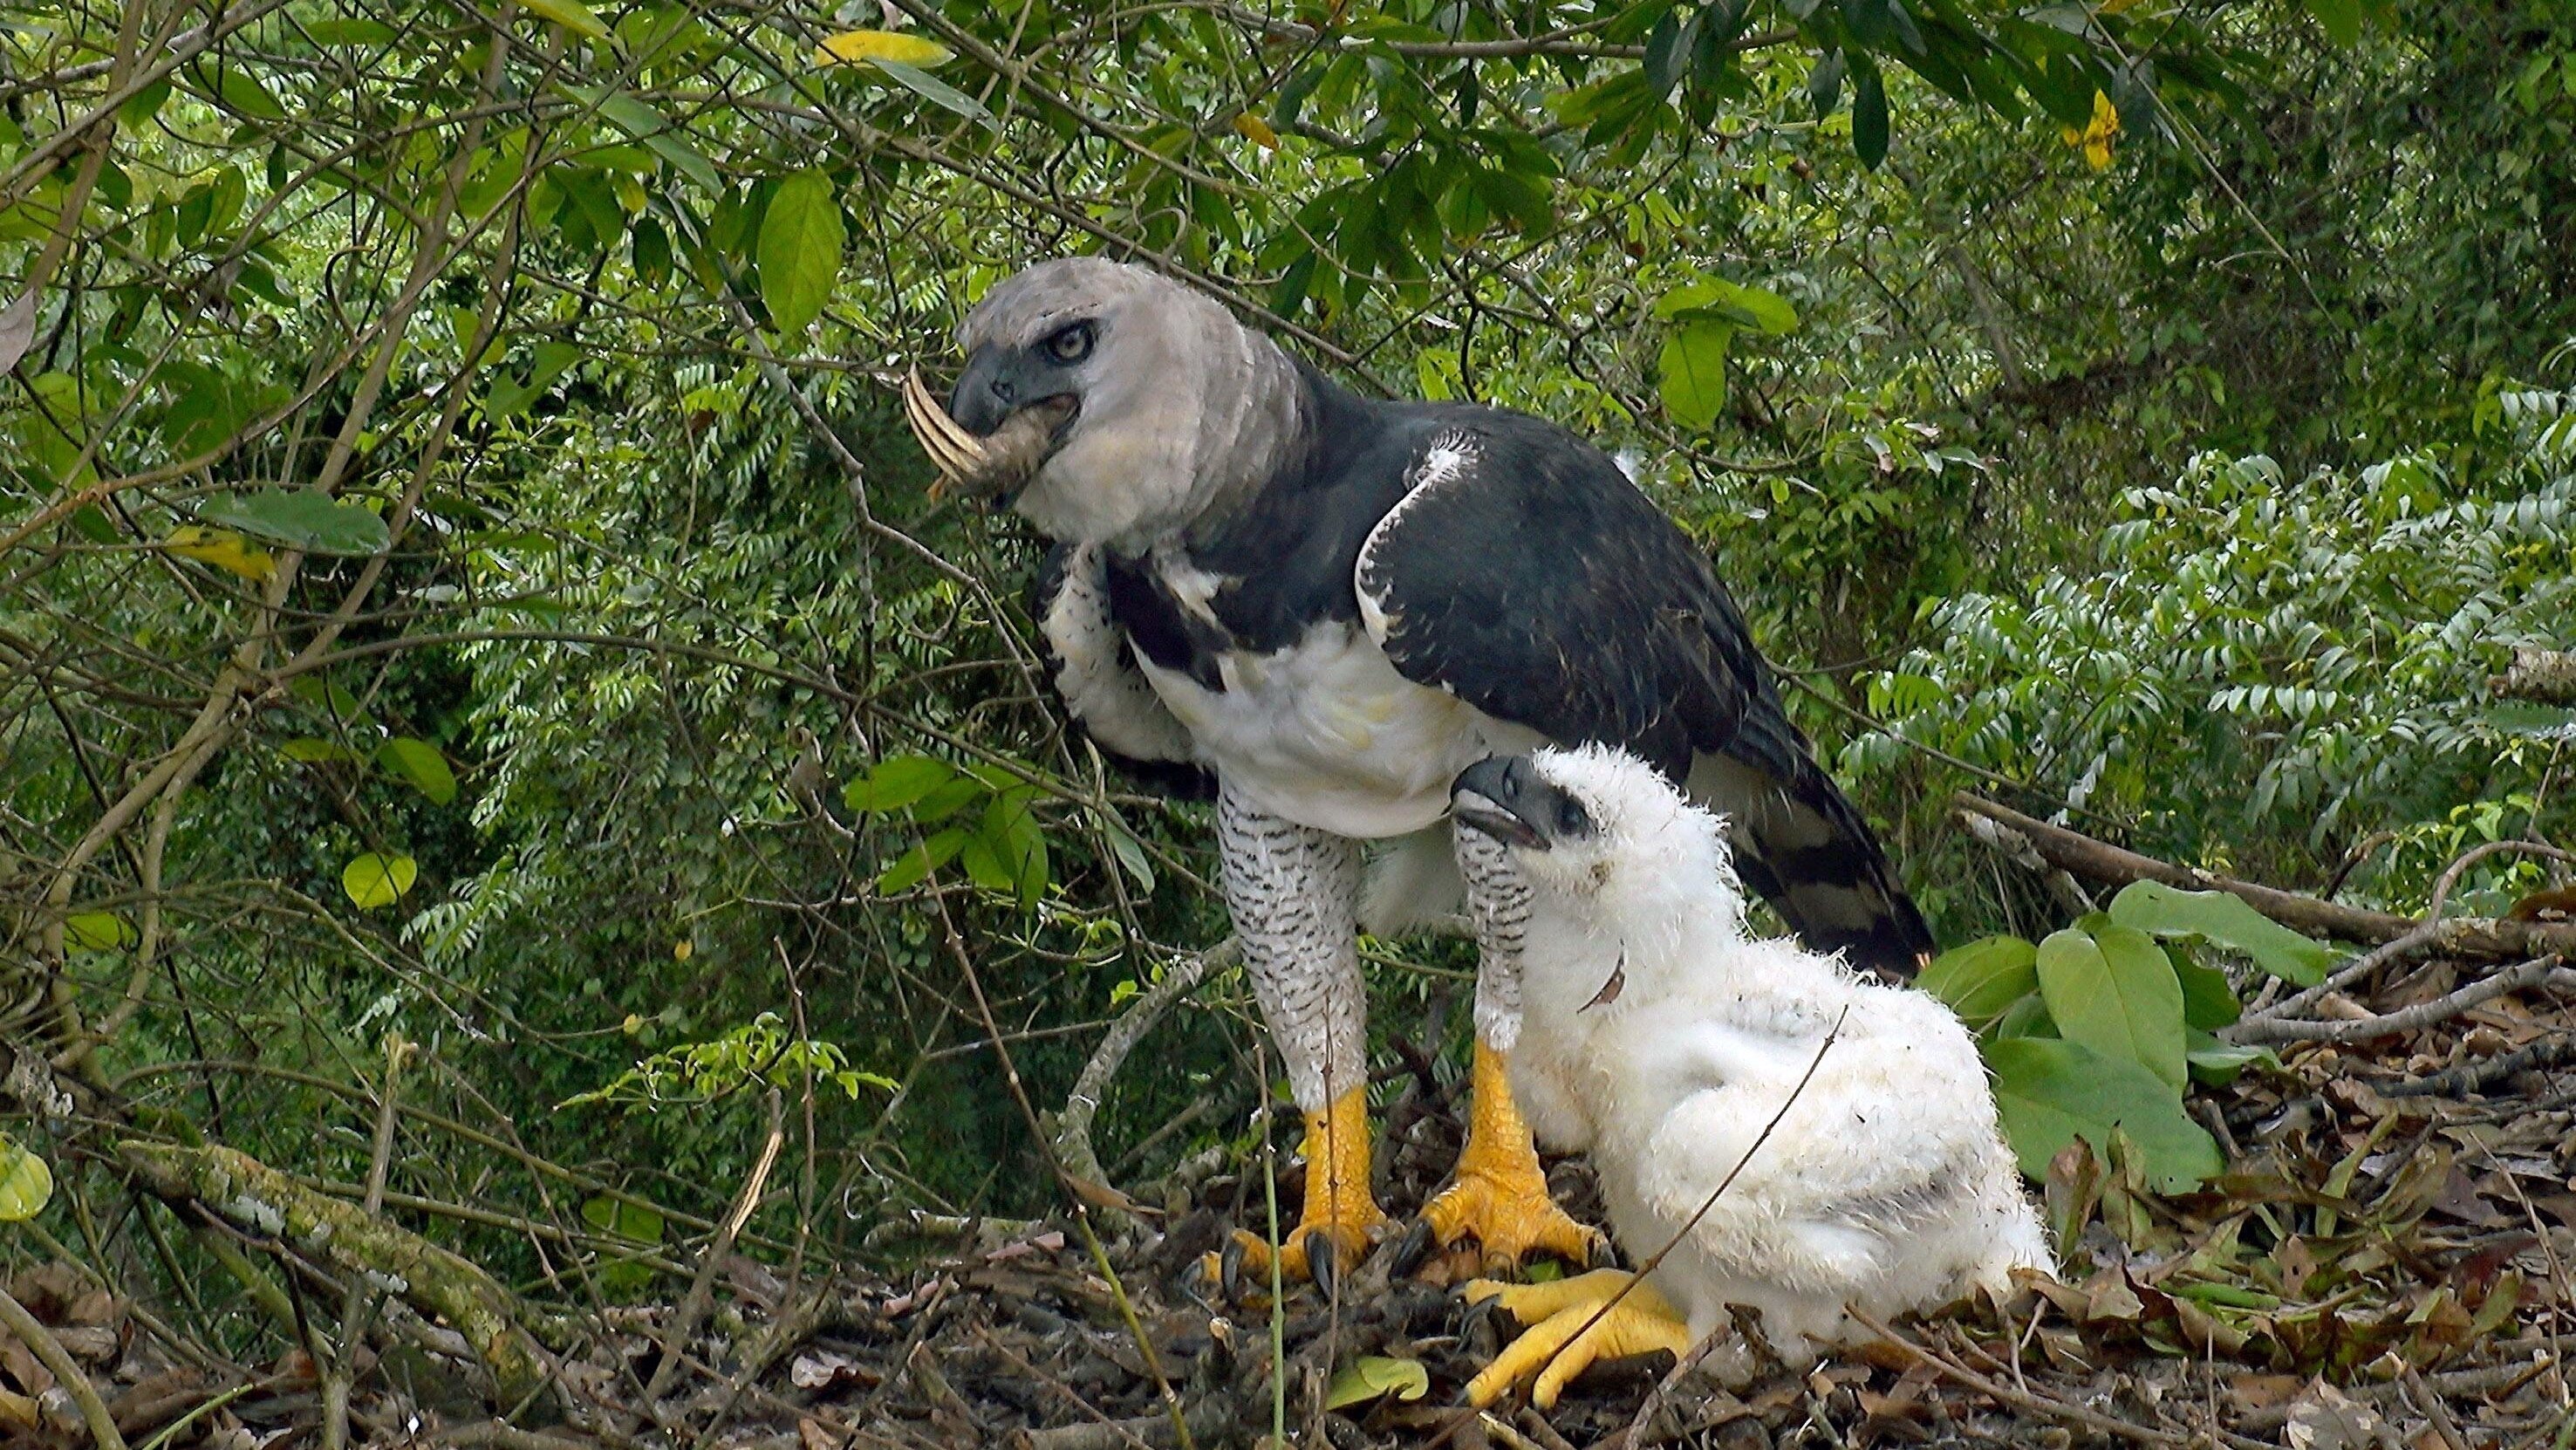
2341	19
93	524
2217	1063
2208	1003
373	880
418	762
898	781
299	518
633	1222
1130	853
2115	993
1981	979
1374	1376
99	931
1692	369
1714	299
242	91
2050	1092
800	251
938	92
313	750
910	867
26	1184
1019	842
348	32
572	15
330	698
1869	117
2225	919
639	119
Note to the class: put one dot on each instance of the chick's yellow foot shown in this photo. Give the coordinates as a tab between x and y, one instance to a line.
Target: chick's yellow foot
1339	1205
1500	1197
1569	1330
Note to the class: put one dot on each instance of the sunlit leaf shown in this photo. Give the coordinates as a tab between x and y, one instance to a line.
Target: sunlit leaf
1691	372
374	880
897	781
2115	992
299	518
1979	980
908	869
222	548
633	1222
99	931
1256	130
939	92
2224	919
26	1184
243	92
800	251
858	47
1373	1376
572	15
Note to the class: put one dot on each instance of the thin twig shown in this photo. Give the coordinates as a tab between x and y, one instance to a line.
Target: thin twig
701	1289
2006	1394
49	1351
2425	1014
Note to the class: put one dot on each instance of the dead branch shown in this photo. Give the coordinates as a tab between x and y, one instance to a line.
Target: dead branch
2441	1009
2479	938
1073	1126
66	1371
258	1199
2006	1395
2545	675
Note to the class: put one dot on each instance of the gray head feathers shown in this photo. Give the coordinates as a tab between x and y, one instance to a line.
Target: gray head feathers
1180	407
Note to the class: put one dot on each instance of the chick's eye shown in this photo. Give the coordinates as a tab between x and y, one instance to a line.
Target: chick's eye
1070	344
1570	819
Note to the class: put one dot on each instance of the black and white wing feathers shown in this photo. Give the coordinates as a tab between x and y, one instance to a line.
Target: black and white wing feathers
1522	572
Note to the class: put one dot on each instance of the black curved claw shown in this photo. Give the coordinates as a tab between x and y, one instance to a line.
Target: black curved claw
1323	1262
1480	1331
1411	1249
1229	1277
1604	1254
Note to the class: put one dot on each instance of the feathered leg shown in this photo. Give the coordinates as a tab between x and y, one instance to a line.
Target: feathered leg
1291	890
1499	1196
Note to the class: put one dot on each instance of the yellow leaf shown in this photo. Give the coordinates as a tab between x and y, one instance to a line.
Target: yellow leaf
222	548
2095	138
373	880
1256	130
1373	1375
858	47
681	949
25	1182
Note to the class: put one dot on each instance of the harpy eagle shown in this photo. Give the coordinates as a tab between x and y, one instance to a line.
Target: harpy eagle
1659	1039
1322	609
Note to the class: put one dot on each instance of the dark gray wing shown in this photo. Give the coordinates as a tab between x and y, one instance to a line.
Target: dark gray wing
1524	573
1092	669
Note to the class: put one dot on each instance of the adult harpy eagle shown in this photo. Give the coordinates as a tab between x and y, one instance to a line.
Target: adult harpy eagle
1332	606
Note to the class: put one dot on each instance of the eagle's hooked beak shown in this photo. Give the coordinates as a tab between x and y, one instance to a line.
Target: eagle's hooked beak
1503	797
997	464
956	453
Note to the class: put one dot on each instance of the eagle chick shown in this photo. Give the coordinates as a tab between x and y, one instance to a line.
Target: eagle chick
1660	1038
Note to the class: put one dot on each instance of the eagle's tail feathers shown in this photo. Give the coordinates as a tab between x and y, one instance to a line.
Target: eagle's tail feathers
1803	846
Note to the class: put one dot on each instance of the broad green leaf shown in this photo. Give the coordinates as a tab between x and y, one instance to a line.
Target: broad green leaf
1692	372
1019	842
2115	993
939	93
2341	19
572	15
348	32
858	47
418	762
2220	917
1130	853
1869	117
984	863
2217	1063
800	251
615	1216
99	931
639	119
898	781
299	518
1714	299
222	548
26	1184
242	91
2208	1003
374	880
1374	1376
909	868
328	697
1981	979
2050	1092
92	523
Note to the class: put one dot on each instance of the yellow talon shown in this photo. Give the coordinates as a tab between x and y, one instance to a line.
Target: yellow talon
1570	1330
1339	1203
1500	1197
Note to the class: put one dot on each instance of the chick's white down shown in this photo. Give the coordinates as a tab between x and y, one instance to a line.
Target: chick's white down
1886	1185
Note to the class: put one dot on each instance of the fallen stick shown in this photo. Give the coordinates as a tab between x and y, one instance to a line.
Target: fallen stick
2004	1394
1073	1126
2440	1009
2483	938
258	1199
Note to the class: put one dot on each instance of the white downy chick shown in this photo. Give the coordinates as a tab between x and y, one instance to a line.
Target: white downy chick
1658	1037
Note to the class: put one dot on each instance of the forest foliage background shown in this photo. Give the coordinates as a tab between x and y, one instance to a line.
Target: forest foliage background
462	575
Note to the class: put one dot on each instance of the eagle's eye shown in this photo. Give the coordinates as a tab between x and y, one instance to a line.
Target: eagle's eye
1070	344
1571	819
